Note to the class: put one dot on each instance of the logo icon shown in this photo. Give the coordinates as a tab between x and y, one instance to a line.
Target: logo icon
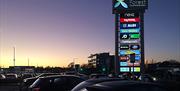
120	2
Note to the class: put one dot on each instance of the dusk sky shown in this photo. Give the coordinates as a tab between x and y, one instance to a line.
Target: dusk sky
54	32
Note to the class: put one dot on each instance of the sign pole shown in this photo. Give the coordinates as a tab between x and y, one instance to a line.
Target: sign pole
142	42
116	44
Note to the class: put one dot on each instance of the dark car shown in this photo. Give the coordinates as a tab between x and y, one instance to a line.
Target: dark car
90	82
92	76
125	86
29	81
24	76
55	83
2	76
147	78
11	76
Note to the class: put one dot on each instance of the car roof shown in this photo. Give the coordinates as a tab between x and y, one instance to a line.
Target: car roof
124	83
99	80
57	76
114	85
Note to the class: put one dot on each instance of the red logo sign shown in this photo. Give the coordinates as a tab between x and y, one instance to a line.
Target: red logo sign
129	19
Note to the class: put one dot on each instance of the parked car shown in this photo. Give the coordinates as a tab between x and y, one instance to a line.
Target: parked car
29	81
2	76
90	82
11	76
93	76
127	85
147	78
55	83
26	75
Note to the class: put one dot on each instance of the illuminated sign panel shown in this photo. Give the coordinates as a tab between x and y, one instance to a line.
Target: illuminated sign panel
124	47
137	57
129	41
136	69
124	36
136	5
123	64
134	47
128	52
136	30
129	20
123	58
124	69
129	25
129	15
135	64
134	36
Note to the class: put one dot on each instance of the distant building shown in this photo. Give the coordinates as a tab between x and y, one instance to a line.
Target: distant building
102	62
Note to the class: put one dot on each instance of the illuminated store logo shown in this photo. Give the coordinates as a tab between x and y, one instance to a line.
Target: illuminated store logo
120	2
136	69
134	47
134	36
135	64
130	25
128	52
124	36
124	69
124	47
129	15
124	58
137	57
129	30
129	41
129	19
123	64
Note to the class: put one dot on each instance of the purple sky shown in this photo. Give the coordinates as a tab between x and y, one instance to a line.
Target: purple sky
54	32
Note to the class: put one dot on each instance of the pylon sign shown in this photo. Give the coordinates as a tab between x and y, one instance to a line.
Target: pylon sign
129	30
120	5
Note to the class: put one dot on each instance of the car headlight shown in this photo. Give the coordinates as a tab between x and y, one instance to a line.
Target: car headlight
155	79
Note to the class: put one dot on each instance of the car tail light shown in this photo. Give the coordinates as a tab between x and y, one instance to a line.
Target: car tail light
36	89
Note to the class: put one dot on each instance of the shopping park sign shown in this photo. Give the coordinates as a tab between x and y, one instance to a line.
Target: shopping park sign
135	5
129	35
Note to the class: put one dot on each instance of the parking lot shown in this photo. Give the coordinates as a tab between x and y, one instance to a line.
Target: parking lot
9	87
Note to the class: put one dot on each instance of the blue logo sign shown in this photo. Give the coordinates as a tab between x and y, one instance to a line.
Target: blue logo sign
128	52
135	47
120	2
124	69
123	64
129	25
130	30
137	57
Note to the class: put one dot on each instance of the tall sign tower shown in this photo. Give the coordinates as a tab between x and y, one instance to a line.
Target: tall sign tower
129	35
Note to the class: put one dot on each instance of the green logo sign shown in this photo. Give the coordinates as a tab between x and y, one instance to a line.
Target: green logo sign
134	36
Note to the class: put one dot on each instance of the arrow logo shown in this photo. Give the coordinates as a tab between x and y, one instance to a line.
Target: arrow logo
120	2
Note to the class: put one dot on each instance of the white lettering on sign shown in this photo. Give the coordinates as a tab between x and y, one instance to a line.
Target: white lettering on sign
129	14
132	25
137	3
129	41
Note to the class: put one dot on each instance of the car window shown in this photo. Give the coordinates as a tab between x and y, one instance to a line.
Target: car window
61	80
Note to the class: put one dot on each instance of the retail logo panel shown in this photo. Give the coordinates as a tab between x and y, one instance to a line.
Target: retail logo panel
129	41
138	5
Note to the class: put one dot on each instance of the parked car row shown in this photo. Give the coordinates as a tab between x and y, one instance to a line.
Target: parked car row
95	82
